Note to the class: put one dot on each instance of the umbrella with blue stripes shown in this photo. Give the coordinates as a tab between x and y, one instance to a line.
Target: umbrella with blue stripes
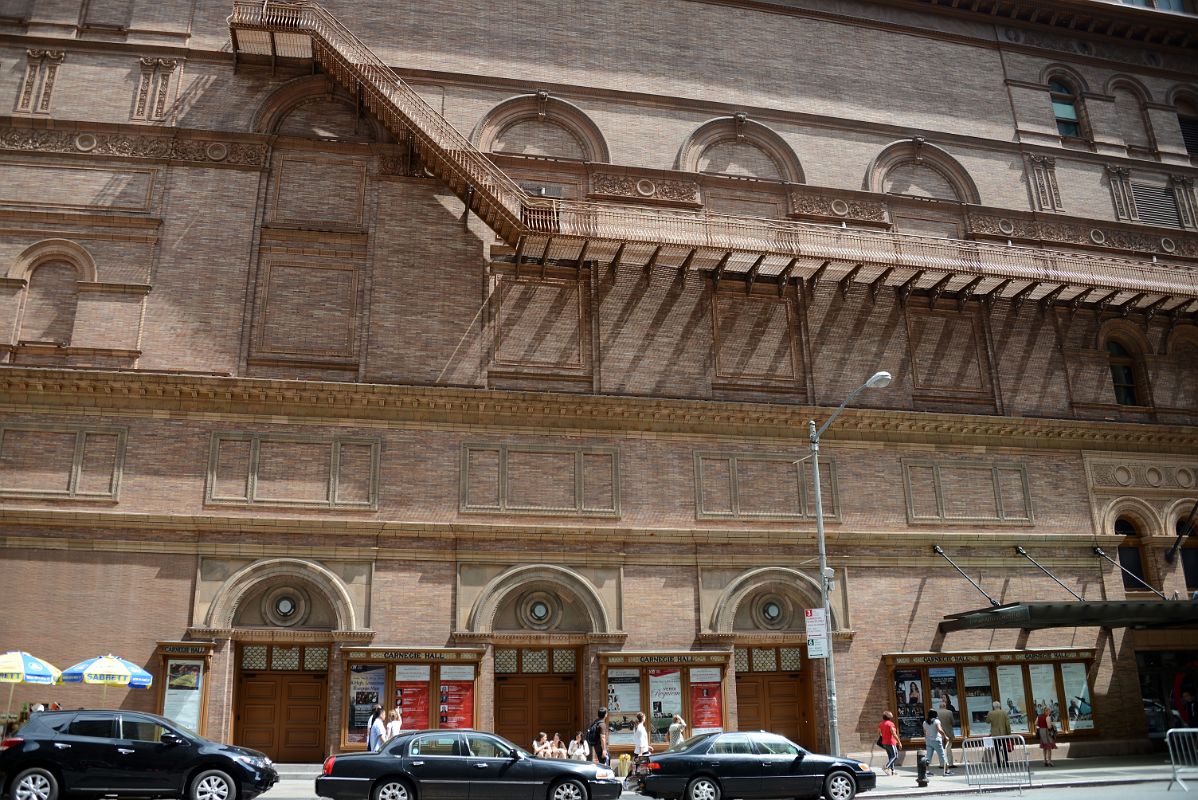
108	671
17	666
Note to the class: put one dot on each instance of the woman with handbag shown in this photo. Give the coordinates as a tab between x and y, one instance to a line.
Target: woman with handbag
888	740
1046	731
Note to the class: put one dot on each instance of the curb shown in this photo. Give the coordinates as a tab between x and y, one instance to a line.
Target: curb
929	791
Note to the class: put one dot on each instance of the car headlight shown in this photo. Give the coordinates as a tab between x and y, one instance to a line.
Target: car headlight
257	762
864	767
604	774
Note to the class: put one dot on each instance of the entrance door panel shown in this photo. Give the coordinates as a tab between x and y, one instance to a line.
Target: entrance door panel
282	715
525	705
779	702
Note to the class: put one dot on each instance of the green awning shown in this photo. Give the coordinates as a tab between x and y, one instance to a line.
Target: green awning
1084	614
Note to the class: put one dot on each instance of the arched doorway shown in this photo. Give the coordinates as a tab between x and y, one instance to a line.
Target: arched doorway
282	613
538	618
763	610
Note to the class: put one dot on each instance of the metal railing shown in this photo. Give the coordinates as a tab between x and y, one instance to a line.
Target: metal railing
1183	755
422	119
996	761
454	155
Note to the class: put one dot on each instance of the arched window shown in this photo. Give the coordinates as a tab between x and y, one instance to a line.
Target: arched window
49	314
1187	118
1067	108
1125	375
1133	120
1131	555
1189	553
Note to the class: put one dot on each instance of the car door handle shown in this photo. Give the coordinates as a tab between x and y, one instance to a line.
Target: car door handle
125	750
483	765
62	746
417	763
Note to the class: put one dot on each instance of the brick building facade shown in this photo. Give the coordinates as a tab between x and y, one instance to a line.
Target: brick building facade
482	391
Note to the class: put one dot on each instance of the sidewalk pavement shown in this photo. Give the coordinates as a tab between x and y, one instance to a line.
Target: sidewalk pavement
1103	771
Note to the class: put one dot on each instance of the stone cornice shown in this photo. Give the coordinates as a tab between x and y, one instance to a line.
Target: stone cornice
38	390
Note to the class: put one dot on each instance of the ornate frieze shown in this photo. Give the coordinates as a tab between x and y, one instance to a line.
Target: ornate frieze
807	204
1167	243
634	187
134	145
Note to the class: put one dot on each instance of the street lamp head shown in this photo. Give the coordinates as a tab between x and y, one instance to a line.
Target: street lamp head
879	380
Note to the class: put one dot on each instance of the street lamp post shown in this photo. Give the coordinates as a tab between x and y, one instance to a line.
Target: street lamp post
879	380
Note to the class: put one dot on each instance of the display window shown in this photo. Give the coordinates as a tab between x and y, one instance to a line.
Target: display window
1024	683
662	685
183	690
429	688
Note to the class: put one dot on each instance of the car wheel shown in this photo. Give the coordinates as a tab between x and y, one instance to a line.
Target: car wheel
392	789
703	789
568	790
840	786
212	785
35	784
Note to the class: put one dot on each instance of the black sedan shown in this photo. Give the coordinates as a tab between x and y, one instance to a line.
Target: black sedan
748	765
125	753
457	765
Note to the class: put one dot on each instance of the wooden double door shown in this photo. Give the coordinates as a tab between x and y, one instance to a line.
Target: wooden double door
283	715
778	702
525	705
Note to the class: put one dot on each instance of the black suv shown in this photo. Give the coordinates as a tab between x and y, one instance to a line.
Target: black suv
99	753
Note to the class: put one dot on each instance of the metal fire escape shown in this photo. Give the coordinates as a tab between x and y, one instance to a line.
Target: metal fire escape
573	232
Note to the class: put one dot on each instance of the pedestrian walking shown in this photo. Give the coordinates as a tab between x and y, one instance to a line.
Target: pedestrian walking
640	738
888	740
597	739
376	729
945	714
935	737
394	724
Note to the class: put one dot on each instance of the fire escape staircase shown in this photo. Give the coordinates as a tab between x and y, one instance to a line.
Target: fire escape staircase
572	232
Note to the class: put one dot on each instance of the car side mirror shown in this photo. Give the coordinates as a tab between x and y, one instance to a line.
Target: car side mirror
514	754
171	739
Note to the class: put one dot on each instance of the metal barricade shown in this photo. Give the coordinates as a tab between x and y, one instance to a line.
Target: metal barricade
996	761
1183	754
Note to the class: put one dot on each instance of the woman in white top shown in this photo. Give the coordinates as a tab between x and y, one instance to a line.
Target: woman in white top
578	749
677	730
394	724
640	737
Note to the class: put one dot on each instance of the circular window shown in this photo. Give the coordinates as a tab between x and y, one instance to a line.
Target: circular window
285	606
539	611
772	612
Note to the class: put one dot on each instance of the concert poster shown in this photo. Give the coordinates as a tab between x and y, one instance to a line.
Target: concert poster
706	702
411	695
455	701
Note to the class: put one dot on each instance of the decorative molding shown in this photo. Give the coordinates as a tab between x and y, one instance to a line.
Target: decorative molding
157	147
644	189
1119	179
41	70
154	87
143	393
1008	225
1126	476
1042	179
808	204
1182	187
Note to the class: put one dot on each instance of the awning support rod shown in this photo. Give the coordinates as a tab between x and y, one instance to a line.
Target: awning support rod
1188	530
936	549
1098	551
1020	551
